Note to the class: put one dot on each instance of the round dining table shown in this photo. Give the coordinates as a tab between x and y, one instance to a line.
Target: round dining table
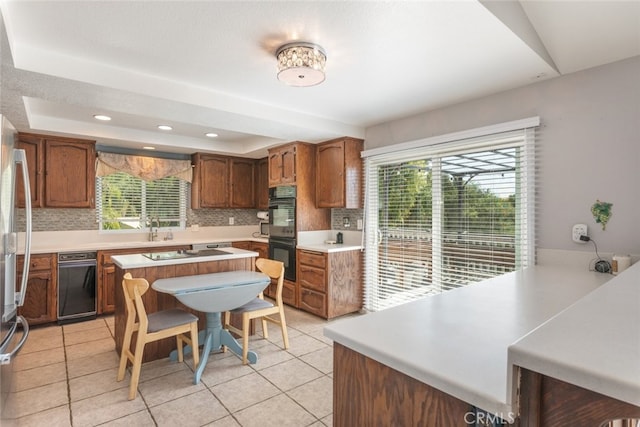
214	294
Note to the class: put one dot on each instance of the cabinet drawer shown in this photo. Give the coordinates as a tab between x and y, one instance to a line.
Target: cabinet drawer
315	259
312	277
37	262
313	302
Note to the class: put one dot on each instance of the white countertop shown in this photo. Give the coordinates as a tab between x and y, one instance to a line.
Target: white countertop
140	261
328	248
594	344
93	240
458	341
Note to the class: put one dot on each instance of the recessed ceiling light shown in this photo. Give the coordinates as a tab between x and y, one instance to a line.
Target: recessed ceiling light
148	148
211	134
164	127
102	117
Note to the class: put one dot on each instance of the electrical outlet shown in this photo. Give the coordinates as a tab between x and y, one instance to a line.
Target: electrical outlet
579	230
231	221
359	224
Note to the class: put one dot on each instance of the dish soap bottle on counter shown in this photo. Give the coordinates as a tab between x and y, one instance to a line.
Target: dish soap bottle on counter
339	238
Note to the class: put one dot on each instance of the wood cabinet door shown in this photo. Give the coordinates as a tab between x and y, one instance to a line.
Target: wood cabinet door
244	244
262	184
261	248
214	182
69	174
288	165
108	299
289	293
33	147
40	300
330	180
313	302
275	167
242	182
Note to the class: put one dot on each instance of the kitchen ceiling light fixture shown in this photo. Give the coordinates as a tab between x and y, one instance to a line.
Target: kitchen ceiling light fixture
164	127
211	134
102	117
301	64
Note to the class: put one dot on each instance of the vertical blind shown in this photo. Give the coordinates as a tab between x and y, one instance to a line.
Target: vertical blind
441	216
128	202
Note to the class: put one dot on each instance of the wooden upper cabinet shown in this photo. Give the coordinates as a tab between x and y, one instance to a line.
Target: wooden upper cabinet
262	184
33	146
282	165
339	174
210	186
61	171
222	182
242	180
70	174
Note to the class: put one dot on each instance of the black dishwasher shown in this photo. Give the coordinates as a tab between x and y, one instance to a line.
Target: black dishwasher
76	286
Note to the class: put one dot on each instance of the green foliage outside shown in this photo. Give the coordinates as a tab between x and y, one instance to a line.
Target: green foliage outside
120	192
127	201
405	194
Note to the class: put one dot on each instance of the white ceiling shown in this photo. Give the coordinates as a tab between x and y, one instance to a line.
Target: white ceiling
210	66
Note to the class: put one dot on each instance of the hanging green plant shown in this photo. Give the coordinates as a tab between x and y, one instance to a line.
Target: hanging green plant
601	212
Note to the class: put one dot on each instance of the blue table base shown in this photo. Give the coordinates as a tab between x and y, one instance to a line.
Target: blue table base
214	338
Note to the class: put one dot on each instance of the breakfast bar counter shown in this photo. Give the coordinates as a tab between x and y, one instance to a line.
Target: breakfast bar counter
164	265
455	347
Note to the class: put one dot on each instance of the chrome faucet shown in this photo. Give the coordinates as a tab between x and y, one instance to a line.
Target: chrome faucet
153	235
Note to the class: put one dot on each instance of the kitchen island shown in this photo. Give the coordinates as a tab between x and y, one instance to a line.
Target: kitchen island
160	265
447	358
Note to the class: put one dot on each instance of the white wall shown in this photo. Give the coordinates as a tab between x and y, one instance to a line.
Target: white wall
588	142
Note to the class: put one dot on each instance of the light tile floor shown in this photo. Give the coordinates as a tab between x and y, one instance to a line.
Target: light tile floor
66	376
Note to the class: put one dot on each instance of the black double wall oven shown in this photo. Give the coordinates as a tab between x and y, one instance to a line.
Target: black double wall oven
282	228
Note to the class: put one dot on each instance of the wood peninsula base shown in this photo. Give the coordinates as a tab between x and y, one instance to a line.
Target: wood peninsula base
156	301
367	392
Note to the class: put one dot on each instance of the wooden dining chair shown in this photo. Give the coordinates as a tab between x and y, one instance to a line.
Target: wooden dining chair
261	309
154	327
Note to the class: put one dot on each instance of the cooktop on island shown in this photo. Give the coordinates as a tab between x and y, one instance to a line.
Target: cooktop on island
189	253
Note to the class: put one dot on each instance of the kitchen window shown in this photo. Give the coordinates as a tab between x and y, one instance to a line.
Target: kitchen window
448	211
128	203
132	190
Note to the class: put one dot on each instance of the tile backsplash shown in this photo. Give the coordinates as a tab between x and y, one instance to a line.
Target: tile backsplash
85	219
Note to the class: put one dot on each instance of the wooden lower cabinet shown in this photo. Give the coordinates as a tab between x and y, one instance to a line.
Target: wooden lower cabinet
329	284
549	402
289	290
260	247
368	393
106	274
40	304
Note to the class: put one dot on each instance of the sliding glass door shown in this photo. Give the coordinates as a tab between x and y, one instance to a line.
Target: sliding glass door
443	216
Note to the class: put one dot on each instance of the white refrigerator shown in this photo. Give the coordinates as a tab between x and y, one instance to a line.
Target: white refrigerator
14	330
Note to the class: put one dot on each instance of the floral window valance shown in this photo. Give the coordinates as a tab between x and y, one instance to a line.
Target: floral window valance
146	168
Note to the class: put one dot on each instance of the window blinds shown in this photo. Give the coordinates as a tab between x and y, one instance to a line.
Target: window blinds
127	202
441	216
